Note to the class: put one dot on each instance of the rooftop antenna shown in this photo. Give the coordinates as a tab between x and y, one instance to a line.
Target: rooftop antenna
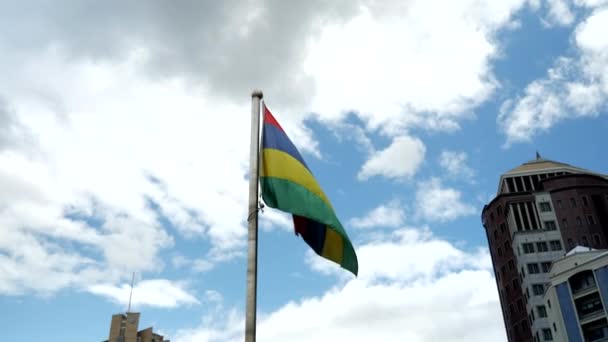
131	293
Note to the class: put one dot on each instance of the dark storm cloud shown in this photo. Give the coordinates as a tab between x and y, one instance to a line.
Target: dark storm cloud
227	46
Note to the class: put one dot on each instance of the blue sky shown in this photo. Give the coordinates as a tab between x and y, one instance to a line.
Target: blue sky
124	133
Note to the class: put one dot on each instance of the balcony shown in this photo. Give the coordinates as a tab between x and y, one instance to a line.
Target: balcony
582	282
589	308
596	331
582	292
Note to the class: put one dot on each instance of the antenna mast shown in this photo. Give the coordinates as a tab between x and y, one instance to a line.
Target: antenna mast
131	293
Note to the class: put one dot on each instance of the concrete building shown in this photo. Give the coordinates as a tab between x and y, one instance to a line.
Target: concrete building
576	297
123	328
542	209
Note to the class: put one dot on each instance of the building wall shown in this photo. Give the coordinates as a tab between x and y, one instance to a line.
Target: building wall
499	235
568	324
515	217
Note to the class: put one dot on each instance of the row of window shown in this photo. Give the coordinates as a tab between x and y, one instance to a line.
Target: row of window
527	183
541	246
545	206
584	241
573	203
579	221
534	269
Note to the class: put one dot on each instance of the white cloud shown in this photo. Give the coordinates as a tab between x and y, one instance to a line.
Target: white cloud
455	163
401	159
155	109
390	214
412	72
161	293
560	12
573	88
195	265
407	280
434	202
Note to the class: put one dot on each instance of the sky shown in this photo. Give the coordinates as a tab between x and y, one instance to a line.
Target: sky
124	147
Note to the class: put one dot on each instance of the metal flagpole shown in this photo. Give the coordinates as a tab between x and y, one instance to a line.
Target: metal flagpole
252	218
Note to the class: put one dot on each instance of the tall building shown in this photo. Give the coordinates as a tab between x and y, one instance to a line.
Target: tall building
575	297
124	329
542	210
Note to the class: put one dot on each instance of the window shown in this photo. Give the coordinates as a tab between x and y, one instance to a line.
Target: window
559	204
545	206
597	240
520	305
491	217
508	289
550	225
532	315
585	242
554	327
542	311
545	266
523	274
538	289
496	235
527	293
573	202
528	248
507	246
590	220
542	246
502	271
585	202
515	283
579	222
549	304
502	228
556	245
499	251
570	243
499	210
565	223
533	268
547	336
511	264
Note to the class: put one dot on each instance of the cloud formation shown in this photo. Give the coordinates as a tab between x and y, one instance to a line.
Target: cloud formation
435	202
400	160
390	214
575	87
406	278
160	293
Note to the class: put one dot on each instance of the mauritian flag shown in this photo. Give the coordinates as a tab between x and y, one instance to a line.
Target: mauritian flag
288	185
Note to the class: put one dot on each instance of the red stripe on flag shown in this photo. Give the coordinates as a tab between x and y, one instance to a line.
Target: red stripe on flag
269	119
299	225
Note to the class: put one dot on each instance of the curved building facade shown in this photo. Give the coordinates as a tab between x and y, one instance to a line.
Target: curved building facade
542	210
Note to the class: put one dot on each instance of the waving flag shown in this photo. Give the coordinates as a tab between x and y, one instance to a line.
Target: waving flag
288	185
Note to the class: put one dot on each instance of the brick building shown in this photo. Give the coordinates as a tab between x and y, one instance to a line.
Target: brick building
542	210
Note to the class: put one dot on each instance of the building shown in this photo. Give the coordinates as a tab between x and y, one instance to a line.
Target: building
123	328
542	210
576	296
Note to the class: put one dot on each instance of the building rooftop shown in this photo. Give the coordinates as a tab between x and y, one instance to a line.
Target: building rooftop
540	163
580	249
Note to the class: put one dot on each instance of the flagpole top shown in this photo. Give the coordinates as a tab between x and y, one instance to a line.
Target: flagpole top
257	93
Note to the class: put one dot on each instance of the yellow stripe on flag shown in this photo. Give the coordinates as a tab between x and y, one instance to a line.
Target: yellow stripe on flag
333	247
278	164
